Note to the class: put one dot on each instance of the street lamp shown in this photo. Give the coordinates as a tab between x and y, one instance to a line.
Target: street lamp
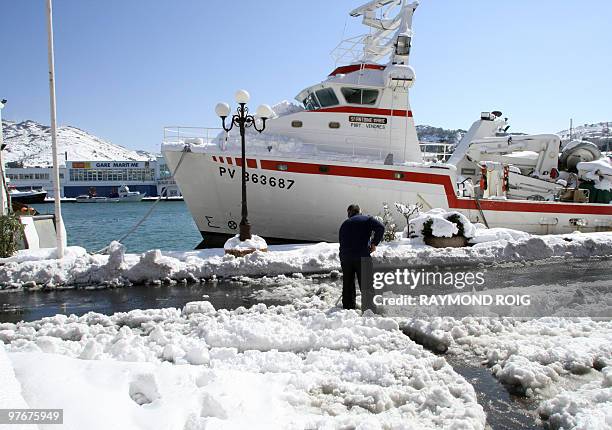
243	120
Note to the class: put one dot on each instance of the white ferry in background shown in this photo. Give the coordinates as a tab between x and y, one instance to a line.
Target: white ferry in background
354	140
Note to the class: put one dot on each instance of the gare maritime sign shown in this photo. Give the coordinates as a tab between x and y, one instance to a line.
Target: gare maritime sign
109	164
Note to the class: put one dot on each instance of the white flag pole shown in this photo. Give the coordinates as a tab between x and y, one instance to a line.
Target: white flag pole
59	224
4	198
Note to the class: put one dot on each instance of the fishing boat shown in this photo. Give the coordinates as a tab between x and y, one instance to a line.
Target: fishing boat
125	195
353	139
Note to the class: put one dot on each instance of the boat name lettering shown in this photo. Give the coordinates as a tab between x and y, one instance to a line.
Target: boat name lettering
367	119
254	178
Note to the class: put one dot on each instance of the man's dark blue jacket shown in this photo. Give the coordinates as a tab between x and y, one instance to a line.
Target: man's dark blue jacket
355	235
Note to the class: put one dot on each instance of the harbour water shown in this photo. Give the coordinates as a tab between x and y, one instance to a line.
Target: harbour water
93	226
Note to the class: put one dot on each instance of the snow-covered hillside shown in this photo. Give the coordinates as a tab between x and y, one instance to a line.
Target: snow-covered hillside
29	142
599	133
428	133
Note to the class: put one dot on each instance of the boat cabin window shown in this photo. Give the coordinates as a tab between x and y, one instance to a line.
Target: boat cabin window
360	96
311	102
327	97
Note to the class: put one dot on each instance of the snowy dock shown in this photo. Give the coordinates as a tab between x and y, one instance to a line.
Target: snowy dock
38	269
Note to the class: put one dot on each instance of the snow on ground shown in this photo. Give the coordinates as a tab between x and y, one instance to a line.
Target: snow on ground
10	392
39	268
564	361
589	407
299	366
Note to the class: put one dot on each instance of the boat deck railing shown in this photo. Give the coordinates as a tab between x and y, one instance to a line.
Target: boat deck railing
431	151
197	135
437	151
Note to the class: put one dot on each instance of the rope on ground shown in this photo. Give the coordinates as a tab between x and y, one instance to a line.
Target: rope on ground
186	149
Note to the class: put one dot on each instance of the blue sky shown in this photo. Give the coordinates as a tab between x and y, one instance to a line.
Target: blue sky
126	68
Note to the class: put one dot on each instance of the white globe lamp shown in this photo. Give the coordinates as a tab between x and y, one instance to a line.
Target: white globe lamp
222	110
242	97
265	112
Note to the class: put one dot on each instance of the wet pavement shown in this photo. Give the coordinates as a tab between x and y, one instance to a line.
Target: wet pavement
34	305
504	411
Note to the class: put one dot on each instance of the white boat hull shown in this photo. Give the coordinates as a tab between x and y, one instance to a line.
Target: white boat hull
131	198
122	199
297	200
97	200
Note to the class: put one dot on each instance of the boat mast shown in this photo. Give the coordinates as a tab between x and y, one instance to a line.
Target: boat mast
388	31
59	224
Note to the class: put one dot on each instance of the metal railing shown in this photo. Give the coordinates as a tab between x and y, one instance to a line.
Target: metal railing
437	151
208	135
198	135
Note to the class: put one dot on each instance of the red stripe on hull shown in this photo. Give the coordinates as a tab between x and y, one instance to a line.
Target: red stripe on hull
454	202
251	163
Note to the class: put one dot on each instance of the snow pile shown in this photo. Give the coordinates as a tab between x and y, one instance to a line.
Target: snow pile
540	357
484	235
293	366
497	246
10	394
589	407
254	243
37	269
442	224
528	355
598	171
29	142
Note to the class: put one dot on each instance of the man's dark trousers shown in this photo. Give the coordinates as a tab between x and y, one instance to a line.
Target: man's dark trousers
362	269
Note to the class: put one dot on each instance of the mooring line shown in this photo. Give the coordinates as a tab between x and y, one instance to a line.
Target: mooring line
186	149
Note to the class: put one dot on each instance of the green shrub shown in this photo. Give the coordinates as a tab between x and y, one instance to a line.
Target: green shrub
427	228
11	234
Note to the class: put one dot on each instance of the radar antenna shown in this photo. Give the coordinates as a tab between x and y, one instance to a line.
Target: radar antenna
389	27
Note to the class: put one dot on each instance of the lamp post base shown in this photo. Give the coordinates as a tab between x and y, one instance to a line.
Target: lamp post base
239	248
245	232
